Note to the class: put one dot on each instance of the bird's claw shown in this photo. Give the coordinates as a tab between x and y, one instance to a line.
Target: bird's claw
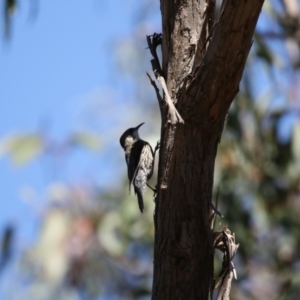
154	190
157	147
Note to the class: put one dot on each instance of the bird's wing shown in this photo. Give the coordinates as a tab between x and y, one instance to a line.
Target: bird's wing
144	169
134	160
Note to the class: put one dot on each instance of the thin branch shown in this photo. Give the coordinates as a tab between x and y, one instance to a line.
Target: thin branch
153	44
225	242
173	113
158	95
225	287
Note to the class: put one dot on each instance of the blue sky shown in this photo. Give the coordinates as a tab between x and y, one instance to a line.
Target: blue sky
49	67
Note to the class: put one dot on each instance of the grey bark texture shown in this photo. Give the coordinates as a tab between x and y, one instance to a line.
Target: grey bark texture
204	54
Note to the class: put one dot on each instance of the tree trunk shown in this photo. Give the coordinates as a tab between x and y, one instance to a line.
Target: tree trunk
203	61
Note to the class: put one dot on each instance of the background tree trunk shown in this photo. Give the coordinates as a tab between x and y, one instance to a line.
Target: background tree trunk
204	55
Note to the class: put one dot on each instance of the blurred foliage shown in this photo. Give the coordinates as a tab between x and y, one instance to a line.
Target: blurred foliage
22	148
88	246
94	243
258	166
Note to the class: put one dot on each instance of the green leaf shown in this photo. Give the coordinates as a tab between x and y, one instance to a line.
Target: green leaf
22	147
85	139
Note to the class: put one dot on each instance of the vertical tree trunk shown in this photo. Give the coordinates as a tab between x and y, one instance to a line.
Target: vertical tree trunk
203	61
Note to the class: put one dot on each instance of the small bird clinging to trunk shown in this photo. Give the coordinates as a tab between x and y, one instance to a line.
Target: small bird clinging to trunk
139	157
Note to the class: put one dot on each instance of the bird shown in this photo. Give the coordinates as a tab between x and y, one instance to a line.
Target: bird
140	159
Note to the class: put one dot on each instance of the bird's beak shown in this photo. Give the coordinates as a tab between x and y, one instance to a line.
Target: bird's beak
137	127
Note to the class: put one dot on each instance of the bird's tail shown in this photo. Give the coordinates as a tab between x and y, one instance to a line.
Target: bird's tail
140	198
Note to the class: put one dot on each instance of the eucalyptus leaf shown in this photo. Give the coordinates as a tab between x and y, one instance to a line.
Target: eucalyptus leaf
22	148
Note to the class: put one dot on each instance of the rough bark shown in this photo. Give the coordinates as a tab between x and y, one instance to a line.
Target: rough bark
203	61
